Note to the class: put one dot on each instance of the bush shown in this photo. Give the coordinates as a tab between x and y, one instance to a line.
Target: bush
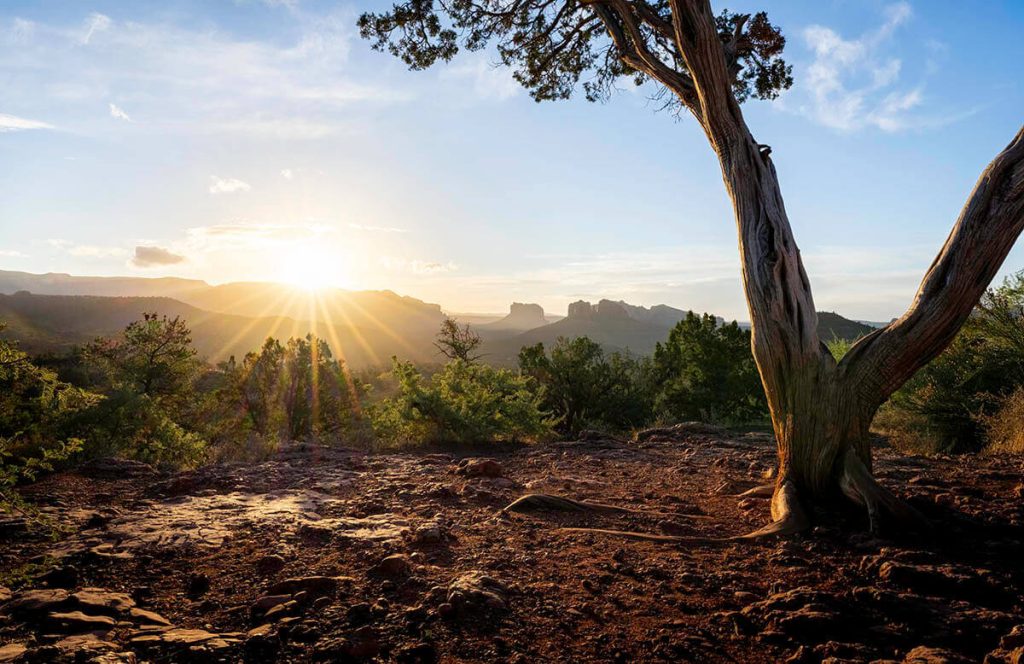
148	379
1004	429
463	403
953	398
584	388
136	427
35	408
705	371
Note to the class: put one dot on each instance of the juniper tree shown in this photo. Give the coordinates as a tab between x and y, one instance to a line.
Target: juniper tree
707	64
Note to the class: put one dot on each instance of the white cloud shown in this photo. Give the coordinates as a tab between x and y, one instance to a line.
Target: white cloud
227	185
12	253
118	113
14	123
855	83
194	79
287	173
377	229
94	24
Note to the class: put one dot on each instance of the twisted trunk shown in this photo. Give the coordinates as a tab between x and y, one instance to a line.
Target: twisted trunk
820	409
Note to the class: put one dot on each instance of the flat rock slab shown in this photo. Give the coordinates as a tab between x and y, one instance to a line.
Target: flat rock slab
203	521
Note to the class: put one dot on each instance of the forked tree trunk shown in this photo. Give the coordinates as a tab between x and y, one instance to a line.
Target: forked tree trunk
821	410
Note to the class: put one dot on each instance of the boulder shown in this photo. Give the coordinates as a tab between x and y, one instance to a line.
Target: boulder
39	601
102	601
480	468
475	591
394	566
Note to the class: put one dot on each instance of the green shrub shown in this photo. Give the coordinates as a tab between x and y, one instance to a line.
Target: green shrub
584	388
134	426
705	371
35	409
463	403
953	397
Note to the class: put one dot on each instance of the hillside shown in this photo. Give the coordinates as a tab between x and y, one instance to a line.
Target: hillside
371	309
59	283
55	323
608	323
368	326
521	317
833	326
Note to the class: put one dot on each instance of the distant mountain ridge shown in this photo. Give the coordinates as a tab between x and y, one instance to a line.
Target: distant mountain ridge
57	323
52	312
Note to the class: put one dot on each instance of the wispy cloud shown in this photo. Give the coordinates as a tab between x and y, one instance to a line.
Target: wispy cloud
856	83
14	123
94	24
287	173
232	236
377	229
12	253
93	251
154	257
487	80
193	79
419	267
118	113
227	185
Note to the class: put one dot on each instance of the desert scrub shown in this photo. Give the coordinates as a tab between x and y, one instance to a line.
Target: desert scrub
464	403
1004	429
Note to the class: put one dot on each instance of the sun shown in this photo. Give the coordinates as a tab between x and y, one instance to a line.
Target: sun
312	268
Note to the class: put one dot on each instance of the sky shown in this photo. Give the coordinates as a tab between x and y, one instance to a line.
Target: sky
264	140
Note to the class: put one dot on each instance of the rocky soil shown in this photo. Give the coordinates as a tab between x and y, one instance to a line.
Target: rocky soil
327	555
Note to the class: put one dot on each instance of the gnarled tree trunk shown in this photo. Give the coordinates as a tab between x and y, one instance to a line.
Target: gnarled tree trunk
821	410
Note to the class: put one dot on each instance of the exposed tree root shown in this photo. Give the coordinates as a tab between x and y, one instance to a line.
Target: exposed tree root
860	486
544	501
788	515
763	491
650	537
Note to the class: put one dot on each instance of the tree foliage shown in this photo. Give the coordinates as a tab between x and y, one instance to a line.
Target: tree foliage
318	397
458	342
585	388
705	371
554	47
463	403
35	407
153	357
149	371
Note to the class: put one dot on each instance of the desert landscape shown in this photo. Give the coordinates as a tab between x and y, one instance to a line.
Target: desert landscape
442	331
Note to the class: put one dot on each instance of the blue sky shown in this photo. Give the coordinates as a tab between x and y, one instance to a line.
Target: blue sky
265	141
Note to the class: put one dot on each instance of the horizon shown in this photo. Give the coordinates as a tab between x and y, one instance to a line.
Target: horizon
243	142
320	291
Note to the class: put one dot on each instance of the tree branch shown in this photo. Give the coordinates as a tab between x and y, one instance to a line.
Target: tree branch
986	230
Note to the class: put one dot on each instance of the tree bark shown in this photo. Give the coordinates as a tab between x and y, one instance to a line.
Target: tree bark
821	410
